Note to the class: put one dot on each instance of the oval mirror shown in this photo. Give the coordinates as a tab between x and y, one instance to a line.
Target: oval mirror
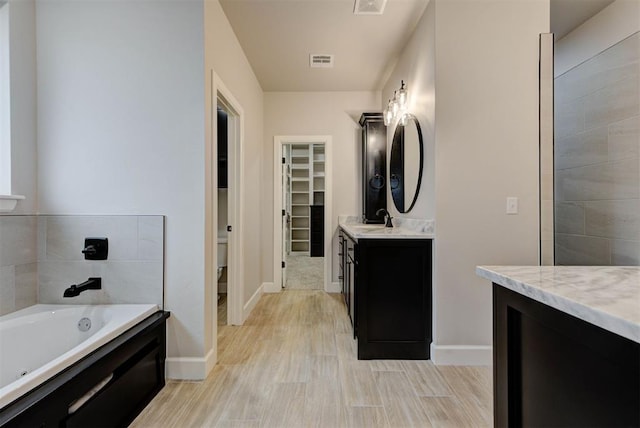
405	168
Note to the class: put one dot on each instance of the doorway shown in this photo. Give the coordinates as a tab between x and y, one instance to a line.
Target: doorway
303	179
228	134
302	215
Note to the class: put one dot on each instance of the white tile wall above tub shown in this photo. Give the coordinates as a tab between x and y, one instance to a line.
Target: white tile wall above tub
132	273
18	243
65	236
122	282
150	238
7	289
26	282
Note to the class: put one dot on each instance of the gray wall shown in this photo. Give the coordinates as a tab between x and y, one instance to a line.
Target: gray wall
597	145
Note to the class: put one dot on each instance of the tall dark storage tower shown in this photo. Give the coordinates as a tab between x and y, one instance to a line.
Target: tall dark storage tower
374	166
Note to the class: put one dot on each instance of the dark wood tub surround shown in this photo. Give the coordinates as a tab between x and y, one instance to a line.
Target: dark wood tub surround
136	359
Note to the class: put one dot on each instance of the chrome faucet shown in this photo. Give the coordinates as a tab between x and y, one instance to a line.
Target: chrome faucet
387	215
90	284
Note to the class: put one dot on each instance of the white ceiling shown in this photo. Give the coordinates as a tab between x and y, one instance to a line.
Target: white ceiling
566	15
278	35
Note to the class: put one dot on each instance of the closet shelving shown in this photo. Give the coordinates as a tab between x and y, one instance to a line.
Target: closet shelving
307	188
300	183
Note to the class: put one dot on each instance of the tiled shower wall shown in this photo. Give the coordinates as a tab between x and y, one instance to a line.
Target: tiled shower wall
597	162
40	256
18	262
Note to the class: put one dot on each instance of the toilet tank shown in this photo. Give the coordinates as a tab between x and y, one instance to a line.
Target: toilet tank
222	251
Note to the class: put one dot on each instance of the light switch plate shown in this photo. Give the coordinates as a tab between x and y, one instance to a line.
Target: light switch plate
512	205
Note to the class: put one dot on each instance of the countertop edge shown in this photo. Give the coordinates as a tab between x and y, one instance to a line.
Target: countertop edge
606	321
410	235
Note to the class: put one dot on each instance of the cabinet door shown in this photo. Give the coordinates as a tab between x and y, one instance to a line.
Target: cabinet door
393	293
351	275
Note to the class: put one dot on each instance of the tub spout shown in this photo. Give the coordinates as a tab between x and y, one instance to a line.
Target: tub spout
90	284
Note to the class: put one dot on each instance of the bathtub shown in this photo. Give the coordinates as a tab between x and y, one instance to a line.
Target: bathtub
40	341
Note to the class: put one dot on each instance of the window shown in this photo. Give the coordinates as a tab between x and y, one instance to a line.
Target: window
5	106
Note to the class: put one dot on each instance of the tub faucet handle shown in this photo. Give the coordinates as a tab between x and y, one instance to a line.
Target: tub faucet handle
89	249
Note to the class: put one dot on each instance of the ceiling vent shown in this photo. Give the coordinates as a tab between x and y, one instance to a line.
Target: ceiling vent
369	7
320	61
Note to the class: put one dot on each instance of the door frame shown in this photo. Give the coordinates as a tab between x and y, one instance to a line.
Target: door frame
278	142
235	269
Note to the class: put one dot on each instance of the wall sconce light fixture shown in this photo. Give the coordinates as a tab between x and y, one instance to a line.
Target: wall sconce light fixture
397	107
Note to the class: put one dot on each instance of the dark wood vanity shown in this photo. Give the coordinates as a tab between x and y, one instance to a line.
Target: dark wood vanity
386	284
374	166
566	346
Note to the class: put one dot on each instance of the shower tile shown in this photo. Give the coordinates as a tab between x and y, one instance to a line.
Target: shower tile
151	238
65	236
568	119
614	64
613	103
7	289
585	148
18	242
582	250
624	139
122	282
26	285
42	238
625	253
133	282
569	218
55	277
613	180
613	219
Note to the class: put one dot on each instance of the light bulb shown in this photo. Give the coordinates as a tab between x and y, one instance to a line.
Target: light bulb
394	106
388	115
404	119
402	96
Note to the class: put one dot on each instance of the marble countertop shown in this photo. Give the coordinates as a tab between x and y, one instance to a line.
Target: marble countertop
606	296
402	229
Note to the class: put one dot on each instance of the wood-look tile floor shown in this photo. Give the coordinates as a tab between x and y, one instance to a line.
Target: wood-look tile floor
293	364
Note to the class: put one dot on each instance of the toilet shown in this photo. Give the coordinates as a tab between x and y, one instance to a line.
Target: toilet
222	260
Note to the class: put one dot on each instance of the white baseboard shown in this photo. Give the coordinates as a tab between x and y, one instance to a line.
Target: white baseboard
334	287
461	355
270	287
210	361
253	301
186	368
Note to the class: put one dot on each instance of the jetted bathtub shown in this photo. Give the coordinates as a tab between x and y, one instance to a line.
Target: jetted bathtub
40	341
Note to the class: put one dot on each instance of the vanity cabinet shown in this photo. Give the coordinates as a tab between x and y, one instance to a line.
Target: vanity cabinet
374	166
387	290
348	260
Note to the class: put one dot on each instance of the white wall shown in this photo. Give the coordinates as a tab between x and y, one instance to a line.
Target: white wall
486	150
22	47
225	57
121	130
416	66
317	113
614	23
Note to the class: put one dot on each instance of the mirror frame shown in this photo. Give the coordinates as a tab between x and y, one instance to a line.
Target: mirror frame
396	135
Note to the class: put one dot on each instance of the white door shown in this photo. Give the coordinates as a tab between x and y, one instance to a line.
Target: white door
286	211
